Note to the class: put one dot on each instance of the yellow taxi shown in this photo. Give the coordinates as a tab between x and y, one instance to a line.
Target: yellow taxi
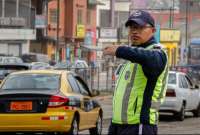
48	101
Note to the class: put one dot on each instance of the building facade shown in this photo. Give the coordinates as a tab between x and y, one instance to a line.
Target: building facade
16	26
40	24
77	28
111	30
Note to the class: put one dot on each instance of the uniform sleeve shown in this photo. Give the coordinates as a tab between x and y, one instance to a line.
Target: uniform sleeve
153	61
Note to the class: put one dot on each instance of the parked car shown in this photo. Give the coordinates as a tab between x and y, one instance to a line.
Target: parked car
62	65
40	65
6	69
81	68
35	57
80	64
10	60
193	71
48	101
181	96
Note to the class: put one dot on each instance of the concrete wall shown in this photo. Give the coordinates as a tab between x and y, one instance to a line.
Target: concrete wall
17	34
122	6
25	47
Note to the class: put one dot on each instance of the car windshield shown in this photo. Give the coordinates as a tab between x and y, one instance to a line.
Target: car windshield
172	78
32	82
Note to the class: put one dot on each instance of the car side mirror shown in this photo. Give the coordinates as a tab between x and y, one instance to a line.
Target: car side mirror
95	93
196	86
6	74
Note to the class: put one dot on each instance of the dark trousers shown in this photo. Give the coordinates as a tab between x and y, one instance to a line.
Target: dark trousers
135	129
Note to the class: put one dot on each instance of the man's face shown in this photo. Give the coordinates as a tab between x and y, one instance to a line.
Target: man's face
140	34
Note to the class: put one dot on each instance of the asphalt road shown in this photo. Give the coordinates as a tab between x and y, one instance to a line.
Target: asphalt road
167	125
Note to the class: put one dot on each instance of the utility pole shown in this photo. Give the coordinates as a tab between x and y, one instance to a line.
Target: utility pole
57	34
46	11
112	13
186	29
173	14
171	24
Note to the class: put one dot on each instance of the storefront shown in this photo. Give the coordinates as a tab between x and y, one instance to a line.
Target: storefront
170	38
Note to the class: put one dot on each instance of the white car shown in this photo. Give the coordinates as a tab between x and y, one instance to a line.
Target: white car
10	60
181	96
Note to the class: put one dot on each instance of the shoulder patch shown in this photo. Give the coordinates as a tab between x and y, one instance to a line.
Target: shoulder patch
157	47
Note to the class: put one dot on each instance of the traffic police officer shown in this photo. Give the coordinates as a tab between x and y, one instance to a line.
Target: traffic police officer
141	85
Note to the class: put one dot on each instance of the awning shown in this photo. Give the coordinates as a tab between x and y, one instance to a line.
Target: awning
91	48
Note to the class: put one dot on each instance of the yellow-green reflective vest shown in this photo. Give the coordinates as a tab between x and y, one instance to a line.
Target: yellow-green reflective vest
129	93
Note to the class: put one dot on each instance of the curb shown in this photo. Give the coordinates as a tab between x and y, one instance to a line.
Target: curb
104	97
108	120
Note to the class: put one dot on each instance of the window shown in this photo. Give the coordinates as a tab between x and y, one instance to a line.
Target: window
53	16
88	17
172	78
121	18
195	53
184	82
80	16
24	8
82	88
180	82
34	82
1	8
25	11
104	18
189	81
73	83
10	8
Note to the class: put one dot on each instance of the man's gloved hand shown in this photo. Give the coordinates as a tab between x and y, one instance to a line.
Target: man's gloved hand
110	50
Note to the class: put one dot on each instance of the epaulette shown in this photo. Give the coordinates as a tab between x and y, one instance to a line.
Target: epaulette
157	46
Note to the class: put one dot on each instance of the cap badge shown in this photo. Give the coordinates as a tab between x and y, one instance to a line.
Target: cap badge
137	13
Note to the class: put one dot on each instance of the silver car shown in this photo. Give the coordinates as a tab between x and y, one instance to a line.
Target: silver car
181	96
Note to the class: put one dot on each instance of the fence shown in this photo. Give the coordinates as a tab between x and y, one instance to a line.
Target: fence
98	79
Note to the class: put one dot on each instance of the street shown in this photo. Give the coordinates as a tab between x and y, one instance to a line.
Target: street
63	61
167	124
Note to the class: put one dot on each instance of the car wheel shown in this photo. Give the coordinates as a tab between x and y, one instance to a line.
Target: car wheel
98	129
74	127
181	114
197	111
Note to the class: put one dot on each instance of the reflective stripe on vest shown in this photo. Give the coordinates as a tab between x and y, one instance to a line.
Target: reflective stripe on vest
156	104
127	95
